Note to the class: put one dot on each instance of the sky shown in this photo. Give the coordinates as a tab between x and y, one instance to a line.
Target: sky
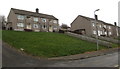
66	10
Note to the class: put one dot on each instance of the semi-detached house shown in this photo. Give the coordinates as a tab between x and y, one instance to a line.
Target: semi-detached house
88	26
21	20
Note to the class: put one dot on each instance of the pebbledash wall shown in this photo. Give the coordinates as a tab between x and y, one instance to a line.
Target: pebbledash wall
88	26
21	19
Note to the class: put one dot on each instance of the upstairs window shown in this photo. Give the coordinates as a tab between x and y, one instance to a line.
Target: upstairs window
54	21
44	20
110	33
109	27
104	26
21	17
100	25
93	24
35	19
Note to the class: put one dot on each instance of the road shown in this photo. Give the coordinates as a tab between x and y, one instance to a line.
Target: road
110	60
13	58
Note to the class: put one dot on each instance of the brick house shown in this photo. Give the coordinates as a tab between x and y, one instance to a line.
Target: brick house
21	20
87	26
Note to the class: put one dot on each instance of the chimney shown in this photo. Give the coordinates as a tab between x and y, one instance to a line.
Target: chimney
37	10
96	17
115	23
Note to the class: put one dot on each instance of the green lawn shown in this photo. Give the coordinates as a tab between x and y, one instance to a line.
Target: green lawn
46	44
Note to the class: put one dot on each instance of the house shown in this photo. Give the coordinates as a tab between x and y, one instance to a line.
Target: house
88	26
21	20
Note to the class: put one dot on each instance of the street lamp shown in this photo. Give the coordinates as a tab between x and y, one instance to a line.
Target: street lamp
96	27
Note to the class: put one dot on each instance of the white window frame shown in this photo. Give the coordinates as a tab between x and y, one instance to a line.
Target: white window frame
100	25
35	19
104	26
44	20
35	26
93	24
20	24
110	33
109	27
105	33
54	21
94	32
20	17
99	32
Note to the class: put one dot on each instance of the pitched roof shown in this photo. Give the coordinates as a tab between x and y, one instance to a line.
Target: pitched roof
88	18
29	13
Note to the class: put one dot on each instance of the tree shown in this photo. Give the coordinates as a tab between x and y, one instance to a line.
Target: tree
2	22
64	26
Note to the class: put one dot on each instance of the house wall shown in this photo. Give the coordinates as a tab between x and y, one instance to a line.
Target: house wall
12	19
87	24
81	23
114	32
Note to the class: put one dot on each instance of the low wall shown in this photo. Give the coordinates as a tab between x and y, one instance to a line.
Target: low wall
109	39
100	42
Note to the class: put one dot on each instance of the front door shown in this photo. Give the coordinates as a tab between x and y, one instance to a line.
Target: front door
28	26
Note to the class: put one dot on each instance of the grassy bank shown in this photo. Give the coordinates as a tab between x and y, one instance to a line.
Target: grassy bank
46	44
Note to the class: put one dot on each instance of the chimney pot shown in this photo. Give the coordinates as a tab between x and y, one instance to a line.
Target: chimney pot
37	10
115	23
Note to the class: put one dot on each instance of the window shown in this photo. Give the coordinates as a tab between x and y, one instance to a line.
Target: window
21	17
109	27
100	26
54	21
54	27
20	24
43	20
35	25
94	32
93	24
35	19
104	26
110	33
105	33
101	32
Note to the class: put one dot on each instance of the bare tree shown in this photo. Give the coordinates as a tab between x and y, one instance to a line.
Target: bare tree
64	26
2	22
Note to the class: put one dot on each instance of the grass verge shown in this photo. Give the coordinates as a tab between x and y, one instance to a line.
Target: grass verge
47	44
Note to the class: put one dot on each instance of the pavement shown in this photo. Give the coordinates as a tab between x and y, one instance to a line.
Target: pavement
109	60
87	54
14	58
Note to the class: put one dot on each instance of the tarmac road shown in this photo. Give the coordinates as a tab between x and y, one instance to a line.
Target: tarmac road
110	60
13	58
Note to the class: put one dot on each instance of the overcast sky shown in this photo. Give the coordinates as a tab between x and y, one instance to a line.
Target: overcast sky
66	10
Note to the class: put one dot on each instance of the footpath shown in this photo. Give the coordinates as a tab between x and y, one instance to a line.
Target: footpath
87	54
